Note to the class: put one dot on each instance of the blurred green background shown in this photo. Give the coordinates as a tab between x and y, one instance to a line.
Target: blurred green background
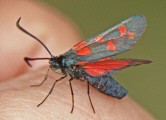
146	83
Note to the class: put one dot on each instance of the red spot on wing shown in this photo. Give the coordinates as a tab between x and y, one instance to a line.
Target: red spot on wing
94	72
111	46
98	68
122	29
131	35
103	59
84	51
79	46
80	63
99	39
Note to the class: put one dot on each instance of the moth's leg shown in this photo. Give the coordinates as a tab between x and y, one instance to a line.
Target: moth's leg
46	76
89	96
57	71
52	88
72	93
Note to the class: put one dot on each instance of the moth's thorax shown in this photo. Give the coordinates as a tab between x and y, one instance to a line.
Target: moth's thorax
57	62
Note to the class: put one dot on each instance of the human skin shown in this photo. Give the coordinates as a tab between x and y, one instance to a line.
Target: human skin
18	100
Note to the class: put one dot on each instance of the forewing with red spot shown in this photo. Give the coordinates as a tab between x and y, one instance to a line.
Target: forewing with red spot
115	40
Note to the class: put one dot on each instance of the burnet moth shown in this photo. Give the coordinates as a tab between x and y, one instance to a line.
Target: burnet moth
93	60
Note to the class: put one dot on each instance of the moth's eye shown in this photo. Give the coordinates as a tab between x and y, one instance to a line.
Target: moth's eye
73	67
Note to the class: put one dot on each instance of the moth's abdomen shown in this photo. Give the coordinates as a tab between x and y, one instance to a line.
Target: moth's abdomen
107	85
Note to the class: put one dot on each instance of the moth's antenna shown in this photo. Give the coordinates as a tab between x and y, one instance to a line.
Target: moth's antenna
32	35
30	59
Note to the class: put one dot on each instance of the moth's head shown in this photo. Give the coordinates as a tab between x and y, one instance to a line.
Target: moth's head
57	62
54	62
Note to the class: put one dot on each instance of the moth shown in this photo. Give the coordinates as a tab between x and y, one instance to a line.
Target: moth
93	60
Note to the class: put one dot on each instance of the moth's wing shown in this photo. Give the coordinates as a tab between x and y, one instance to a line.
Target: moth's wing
115	40
110	67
